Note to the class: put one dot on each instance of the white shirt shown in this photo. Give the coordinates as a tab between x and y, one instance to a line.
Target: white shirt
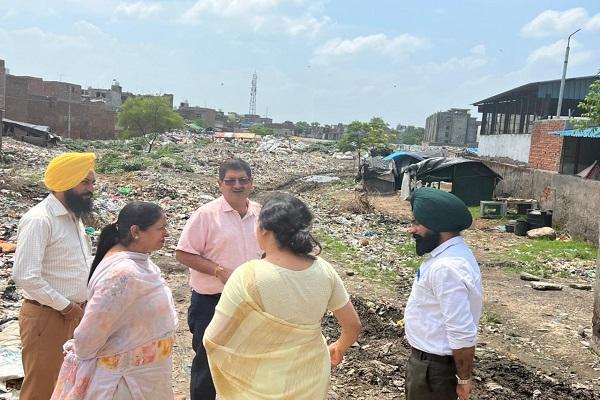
444	307
53	255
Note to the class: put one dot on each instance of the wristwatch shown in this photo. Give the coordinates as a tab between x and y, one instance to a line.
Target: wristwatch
217	270
462	381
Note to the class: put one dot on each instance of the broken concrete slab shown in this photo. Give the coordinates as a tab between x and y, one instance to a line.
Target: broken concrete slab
546	286
529	277
580	286
542	233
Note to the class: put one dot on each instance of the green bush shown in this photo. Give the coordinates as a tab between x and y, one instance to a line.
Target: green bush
114	163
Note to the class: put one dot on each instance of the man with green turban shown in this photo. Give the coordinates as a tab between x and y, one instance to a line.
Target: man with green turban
445	303
52	264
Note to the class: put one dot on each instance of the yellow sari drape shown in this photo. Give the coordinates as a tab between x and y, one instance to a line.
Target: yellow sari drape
254	355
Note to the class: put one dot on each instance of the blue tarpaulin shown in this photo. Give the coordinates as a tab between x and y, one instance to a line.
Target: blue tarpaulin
400	154
584	133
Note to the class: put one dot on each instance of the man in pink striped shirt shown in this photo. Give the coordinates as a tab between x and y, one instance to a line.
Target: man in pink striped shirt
218	237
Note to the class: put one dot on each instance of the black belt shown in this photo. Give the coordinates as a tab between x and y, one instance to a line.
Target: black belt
422	355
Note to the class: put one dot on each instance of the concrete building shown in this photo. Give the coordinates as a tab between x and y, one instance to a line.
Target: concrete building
282	129
508	118
454	127
58	105
111	98
207	115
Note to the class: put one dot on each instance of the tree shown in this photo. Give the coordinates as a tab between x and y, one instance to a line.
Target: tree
261	130
411	135
148	117
379	135
591	106
200	123
366	136
301	128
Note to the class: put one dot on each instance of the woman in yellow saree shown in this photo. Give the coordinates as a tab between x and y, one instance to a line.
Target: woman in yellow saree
265	340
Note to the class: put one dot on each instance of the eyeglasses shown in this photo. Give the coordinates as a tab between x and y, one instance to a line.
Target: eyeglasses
241	181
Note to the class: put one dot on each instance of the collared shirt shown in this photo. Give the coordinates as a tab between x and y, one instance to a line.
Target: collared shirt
444	306
217	232
53	256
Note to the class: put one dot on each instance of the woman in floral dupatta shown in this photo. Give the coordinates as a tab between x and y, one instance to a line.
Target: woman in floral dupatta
122	347
265	340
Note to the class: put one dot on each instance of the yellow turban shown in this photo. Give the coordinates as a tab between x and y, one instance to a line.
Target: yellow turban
68	170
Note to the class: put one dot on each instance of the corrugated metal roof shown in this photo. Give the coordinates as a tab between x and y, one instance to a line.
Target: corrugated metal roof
585	133
575	88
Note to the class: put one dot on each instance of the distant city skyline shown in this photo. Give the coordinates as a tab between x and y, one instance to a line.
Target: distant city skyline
316	60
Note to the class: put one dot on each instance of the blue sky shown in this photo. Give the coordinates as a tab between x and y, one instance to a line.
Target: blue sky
316	60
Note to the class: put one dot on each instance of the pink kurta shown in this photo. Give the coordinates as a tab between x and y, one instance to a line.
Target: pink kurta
125	337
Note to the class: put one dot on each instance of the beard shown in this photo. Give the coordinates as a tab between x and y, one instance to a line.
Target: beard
78	204
426	244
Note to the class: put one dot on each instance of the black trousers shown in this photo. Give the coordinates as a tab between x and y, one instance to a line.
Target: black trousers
430	377
200	313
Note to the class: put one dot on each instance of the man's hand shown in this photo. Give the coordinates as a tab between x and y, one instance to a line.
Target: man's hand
223	274
464	391
72	311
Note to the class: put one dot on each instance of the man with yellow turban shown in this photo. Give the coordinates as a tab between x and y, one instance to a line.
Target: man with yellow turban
444	306
52	264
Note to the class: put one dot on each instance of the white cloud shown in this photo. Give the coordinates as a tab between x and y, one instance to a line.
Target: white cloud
552	22
227	8
593	23
308	25
394	47
291	17
478	50
555	53
88	29
139	9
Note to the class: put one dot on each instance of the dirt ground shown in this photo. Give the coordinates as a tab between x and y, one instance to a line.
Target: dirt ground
532	349
532	344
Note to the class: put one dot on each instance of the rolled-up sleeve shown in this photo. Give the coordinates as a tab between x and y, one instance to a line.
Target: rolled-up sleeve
33	237
450	288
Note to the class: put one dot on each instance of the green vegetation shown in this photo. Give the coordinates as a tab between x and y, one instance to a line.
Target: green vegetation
490	317
374	135
168	156
261	130
147	117
410	258
537	256
301	127
591	106
117	163
474	210
325	147
348	257
411	135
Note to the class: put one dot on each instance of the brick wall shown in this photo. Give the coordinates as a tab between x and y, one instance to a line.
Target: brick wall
546	149
2	85
32	100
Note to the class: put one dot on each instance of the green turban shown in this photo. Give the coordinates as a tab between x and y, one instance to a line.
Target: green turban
440	211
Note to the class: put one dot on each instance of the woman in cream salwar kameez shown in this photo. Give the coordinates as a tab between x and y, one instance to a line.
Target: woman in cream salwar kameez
122	347
265	340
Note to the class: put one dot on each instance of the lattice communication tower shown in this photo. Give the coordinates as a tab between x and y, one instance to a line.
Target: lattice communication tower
252	110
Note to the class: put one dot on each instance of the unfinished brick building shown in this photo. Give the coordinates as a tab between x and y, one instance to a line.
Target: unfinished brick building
58	105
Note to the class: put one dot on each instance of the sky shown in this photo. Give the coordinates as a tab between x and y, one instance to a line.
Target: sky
316	60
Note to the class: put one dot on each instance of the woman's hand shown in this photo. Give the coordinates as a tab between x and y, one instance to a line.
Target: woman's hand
336	354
